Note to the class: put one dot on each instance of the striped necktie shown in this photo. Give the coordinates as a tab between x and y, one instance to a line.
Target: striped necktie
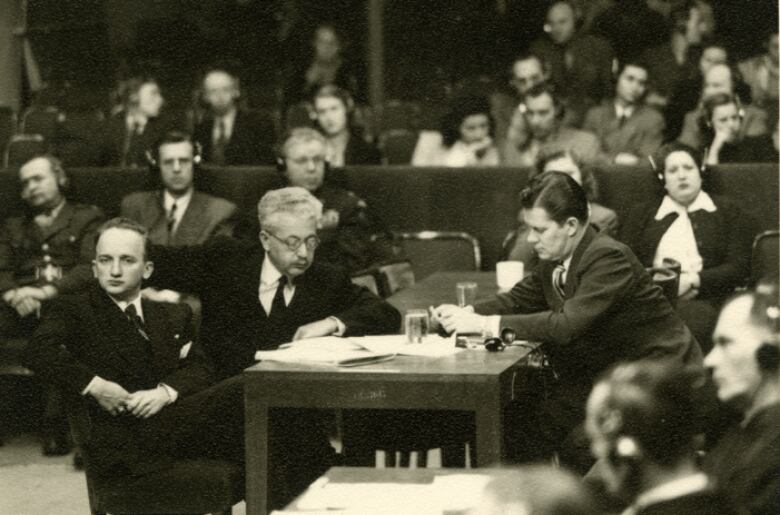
557	279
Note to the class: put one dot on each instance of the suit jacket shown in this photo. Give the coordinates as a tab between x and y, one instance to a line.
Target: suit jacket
699	503
611	312
113	139
664	72
69	242
641	134
225	274
359	152
206	216
723	238
585	145
251	142
81	336
753	124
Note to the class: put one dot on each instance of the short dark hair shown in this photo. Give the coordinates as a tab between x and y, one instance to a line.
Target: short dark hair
527	56
172	137
658	159
635	62
652	403
559	195
461	109
128	224
128	89
543	88
718	99
589	183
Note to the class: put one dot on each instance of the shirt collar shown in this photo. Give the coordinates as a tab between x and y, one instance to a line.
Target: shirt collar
135	302
669	205
55	212
181	202
269	274
133	120
625	111
673	489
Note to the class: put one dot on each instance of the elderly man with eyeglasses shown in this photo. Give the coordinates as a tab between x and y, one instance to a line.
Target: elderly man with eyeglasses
258	295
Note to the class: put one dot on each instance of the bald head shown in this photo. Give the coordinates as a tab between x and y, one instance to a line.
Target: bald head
220	91
718	79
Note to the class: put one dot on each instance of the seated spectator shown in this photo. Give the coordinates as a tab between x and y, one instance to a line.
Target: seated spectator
130	132
350	238
722	126
44	253
228	135
537	490
745	462
580	64
673	61
628	129
346	146
526	71
326	64
760	73
641	421
687	94
721	78
177	214
543	130
516	245
710	236
466	138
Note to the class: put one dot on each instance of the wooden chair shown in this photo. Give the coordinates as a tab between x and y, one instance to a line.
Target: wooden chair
298	115
395	277
22	147
7	125
190	486
398	115
764	258
367	279
432	251
397	146
43	120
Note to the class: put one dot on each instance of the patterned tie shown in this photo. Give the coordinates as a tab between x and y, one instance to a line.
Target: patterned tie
135	319
172	219
557	279
218	155
278	305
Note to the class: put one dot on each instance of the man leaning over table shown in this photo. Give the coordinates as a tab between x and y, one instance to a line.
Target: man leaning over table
589	302
258	295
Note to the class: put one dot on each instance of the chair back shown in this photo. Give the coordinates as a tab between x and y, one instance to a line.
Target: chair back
22	147
7	126
765	256
432	251
398	115
298	115
41	120
395	276
367	279
668	280
397	146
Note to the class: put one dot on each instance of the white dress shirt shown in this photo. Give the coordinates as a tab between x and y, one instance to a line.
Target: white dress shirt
181	206
679	241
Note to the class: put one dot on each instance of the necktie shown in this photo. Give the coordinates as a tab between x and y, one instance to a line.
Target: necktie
278	305
557	279
135	319
131	144
172	219
218	155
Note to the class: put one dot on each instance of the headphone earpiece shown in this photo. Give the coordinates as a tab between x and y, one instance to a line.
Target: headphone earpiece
281	165
547	28
624	449
768	357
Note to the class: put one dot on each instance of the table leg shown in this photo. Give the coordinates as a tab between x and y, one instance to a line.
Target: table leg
257	481
489	426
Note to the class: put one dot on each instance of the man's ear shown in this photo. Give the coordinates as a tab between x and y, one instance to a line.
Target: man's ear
148	269
572	225
263	239
94	269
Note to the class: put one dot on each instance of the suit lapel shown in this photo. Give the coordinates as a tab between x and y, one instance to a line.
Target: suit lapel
154	212
571	274
165	356
61	222
192	221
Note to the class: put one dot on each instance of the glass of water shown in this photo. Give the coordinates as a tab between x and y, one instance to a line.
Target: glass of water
416	324
466	293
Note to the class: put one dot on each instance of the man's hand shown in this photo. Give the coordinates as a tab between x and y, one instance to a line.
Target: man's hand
460	320
689	285
156	295
330	219
322	327
145	403
26	306
31	292
626	159
109	395
9	296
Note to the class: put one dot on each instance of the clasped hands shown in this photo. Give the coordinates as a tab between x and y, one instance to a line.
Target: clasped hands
116	400
456	319
26	300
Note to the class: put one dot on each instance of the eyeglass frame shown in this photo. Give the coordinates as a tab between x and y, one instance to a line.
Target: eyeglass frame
294	247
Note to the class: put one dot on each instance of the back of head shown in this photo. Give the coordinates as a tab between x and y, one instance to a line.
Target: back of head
559	195
292	201
300	135
536	490
646	411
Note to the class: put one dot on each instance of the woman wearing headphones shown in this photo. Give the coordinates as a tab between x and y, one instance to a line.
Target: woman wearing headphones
722	119
708	235
334	111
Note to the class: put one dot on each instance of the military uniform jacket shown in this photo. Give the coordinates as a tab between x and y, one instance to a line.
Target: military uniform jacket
69	243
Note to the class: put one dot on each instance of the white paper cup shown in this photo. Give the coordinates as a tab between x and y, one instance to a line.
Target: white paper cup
508	273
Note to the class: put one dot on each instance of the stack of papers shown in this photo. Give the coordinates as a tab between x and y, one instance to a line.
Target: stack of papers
350	352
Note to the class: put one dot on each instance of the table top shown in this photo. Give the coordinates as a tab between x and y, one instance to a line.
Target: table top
439	288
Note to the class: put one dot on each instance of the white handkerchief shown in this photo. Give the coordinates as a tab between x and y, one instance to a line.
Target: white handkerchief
185	349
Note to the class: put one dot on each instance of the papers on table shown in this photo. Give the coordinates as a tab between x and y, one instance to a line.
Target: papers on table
348	352
447	493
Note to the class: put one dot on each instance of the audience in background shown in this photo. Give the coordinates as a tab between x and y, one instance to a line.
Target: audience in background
709	236
526	71
760	73
516	246
641	421
745	463
628	129
44	253
542	130
722	118
466	137
721	78
132	130
580	64
346	145
228	135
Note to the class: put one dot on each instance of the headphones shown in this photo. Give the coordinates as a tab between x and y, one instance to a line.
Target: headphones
768	353
658	162
624	449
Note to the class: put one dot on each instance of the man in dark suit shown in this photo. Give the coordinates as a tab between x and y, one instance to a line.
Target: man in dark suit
257	295
641	422
227	134
589	301
43	253
149	388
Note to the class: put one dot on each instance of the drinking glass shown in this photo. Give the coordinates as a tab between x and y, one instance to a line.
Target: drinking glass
416	324
466	293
